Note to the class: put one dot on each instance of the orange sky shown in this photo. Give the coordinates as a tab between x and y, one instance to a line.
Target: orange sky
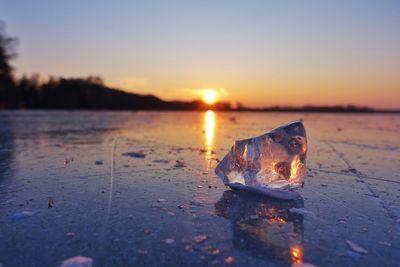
261	53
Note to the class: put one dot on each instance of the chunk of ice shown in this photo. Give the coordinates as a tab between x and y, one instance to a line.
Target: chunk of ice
272	164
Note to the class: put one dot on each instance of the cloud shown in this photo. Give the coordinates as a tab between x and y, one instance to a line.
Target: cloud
220	92
130	82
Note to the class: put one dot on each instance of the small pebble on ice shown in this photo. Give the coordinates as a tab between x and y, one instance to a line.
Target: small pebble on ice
98	162
385	243
229	260
161	161
356	248
50	202
200	238
78	261
215	252
138	154
169	241
22	215
180	163
68	160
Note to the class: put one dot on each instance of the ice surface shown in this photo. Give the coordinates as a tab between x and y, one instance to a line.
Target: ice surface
362	206
273	163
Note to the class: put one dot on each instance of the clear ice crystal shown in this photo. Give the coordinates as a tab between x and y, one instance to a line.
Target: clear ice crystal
272	164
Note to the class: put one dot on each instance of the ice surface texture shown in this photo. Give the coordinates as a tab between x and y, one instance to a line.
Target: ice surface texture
272	164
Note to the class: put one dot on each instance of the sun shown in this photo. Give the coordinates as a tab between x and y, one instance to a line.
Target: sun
210	96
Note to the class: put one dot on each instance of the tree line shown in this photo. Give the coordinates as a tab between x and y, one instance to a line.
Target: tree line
90	93
33	92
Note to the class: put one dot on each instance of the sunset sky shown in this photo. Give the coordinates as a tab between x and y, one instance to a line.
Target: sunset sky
260	53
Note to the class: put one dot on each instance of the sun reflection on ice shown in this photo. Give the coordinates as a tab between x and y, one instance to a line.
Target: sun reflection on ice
264	227
209	125
296	252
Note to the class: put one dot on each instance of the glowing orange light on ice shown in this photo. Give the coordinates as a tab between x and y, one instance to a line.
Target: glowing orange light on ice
209	124
297	254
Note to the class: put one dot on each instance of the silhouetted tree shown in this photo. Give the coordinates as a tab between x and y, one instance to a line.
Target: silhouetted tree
239	106
95	80
29	89
8	93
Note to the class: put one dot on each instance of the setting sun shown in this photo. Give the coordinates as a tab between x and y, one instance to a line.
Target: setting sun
210	96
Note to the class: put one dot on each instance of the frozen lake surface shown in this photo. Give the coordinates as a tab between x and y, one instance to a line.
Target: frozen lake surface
138	189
